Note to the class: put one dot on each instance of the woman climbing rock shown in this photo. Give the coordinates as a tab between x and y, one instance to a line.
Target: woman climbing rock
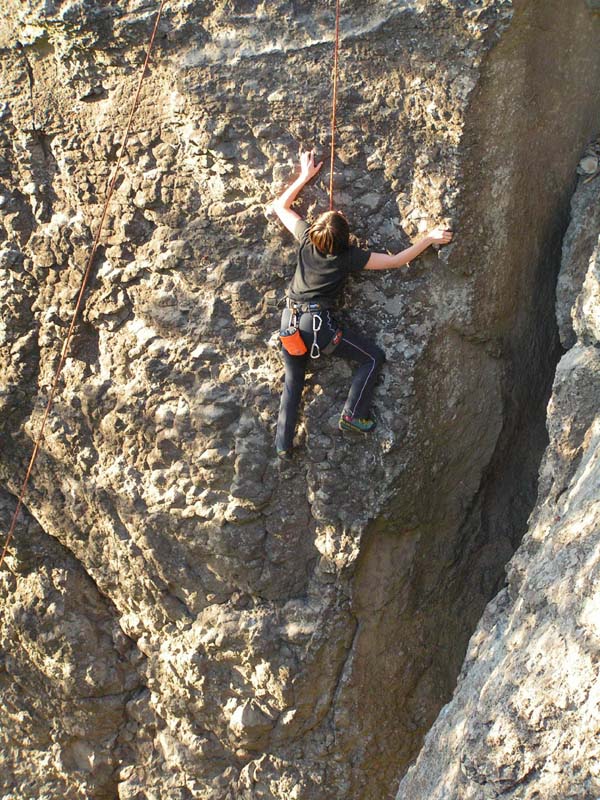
325	258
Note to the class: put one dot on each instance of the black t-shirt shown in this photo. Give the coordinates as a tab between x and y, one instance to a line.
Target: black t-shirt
319	278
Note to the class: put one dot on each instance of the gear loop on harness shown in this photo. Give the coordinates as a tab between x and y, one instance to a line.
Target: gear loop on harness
315	351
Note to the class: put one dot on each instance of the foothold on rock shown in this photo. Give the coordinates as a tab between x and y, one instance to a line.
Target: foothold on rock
250	724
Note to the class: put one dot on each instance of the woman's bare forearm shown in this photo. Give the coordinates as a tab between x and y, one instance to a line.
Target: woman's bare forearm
384	261
288	197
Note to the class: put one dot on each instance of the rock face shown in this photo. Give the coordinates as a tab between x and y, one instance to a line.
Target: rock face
524	721
66	675
252	630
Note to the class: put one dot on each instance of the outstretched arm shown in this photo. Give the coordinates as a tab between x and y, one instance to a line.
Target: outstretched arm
282	205
384	261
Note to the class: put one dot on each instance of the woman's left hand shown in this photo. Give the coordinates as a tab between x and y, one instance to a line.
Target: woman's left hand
308	168
440	236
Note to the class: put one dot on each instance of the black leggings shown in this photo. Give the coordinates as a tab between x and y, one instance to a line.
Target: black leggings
352	346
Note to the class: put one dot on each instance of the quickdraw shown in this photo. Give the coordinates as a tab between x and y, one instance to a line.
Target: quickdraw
315	352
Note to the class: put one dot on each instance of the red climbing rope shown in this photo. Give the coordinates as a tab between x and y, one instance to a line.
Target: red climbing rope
84	282
334	109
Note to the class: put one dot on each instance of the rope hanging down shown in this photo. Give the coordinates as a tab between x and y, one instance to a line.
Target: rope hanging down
84	282
334	103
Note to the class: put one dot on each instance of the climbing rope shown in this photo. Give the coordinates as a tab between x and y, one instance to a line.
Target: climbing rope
84	282
334	102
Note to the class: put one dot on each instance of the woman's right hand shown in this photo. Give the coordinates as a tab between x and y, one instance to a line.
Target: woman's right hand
440	236
308	168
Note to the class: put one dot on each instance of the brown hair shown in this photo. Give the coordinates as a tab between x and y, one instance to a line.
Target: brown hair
330	233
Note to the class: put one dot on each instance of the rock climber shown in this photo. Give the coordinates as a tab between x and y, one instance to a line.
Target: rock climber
325	257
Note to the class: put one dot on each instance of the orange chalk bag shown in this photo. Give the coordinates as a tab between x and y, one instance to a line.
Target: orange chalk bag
292	341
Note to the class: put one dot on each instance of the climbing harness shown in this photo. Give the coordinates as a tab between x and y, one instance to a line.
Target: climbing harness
334	101
82	289
291	338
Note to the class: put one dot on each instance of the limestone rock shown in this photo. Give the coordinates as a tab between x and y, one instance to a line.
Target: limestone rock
523	722
290	631
589	165
579	247
66	675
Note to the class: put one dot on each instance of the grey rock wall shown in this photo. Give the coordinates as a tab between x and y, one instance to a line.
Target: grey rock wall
277	632
524	719
66	675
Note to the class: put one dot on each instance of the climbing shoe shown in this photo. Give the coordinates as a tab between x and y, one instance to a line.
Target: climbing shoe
284	455
356	424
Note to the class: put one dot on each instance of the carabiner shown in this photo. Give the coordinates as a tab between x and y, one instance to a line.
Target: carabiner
315	351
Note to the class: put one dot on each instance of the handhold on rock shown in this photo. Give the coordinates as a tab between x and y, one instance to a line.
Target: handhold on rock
250	723
589	165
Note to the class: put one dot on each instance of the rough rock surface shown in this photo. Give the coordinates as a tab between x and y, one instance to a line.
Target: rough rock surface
524	721
284	632
62	648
